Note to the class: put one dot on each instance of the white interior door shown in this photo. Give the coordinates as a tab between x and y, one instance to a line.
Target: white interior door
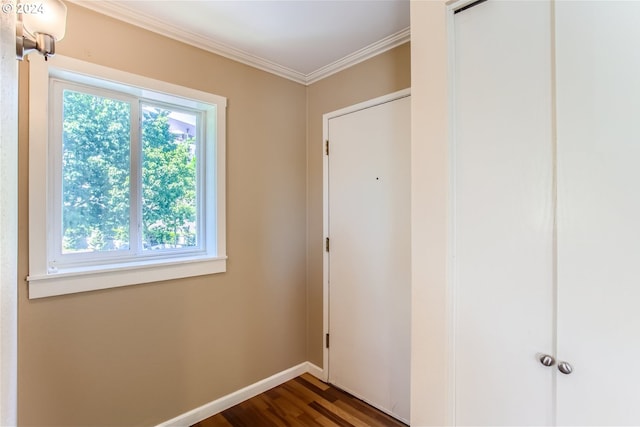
598	74
369	257
503	214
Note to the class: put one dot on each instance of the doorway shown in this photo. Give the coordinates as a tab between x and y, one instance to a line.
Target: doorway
367	251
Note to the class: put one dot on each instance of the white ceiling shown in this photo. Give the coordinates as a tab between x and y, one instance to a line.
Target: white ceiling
303	40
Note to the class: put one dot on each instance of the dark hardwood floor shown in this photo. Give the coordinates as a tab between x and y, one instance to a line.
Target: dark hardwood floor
302	402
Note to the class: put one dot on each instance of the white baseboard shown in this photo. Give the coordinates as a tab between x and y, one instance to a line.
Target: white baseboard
316	372
225	402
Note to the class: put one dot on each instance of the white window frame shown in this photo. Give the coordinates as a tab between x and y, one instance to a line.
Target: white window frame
49	279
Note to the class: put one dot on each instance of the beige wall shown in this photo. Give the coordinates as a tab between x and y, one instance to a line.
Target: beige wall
383	74
140	355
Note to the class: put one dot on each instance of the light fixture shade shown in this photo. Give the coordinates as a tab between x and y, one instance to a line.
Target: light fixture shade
51	20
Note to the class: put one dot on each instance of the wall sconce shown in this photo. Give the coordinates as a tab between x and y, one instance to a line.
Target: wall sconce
39	26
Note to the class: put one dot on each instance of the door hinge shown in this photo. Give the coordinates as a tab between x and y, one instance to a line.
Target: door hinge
326	244
326	147
326	340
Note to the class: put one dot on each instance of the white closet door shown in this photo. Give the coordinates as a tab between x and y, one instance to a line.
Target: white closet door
503	226
598	75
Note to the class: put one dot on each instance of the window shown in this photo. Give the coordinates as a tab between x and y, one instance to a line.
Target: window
126	179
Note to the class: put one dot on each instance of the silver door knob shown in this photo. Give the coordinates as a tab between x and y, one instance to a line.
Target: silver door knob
547	360
565	367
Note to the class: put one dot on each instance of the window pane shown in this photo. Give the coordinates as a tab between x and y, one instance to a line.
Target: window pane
169	184
95	173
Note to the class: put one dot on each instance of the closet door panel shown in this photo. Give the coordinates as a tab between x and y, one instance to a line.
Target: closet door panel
598	113
503	214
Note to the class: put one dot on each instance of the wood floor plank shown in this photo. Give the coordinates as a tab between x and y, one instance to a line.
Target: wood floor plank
313	380
372	416
317	400
331	415
309	393
291	403
333	394
325	422
345	415
271	408
326	394
287	410
304	401
217	420
310	421
247	415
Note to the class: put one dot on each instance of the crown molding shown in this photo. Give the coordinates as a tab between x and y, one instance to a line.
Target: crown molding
361	55
130	16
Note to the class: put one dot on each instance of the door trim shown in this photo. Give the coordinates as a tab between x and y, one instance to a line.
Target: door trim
325	207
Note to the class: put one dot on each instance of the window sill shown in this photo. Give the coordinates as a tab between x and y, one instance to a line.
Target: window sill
112	276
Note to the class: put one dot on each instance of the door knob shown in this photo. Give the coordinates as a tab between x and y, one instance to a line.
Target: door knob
547	360
565	367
